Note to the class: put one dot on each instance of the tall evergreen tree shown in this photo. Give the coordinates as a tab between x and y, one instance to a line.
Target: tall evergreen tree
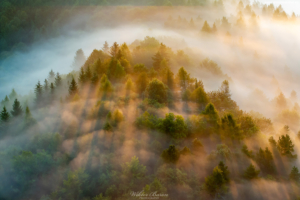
251	172
157	59
52	88
79	59
142	82
58	80
114	49
17	109
105	47
46	85
13	94
5	101
73	89
4	115
38	92
51	75
88	74
183	78
295	175
81	78
285	146
206	28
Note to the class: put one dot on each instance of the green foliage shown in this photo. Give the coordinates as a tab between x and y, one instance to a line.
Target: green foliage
248	153
295	175
286	146
105	85
251	172
222	152
225	171
115	71
230	127
117	116
174	126
133	169
147	120
38	92
272	141
264	159
197	145
215	182
139	68
49	142
171	177
4	115
157	91
107	126
73	185
200	97
185	151
171	154
247	126
183	78
73	88
58	80
141	83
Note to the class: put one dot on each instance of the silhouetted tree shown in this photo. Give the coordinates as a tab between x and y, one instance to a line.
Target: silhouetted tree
105	47
73	89
285	146
38	92
183	78
13	94
17	109
114	49
79	59
295	175
58	80
157	91
46	85
251	172
4	115
171	155
141	82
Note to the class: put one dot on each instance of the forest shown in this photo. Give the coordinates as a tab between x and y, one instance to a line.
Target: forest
213	114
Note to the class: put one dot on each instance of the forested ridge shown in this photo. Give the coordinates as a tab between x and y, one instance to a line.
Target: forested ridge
198	109
116	126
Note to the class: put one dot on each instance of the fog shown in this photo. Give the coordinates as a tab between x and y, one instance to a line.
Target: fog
101	130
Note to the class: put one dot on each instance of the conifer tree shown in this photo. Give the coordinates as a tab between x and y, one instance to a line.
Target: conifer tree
142	82
105	47
98	67
183	78
52	88
5	101
4	115
46	85
38	92
251	172
285	146
13	94
206	28
82	78
73	89
51	75
17	109
295	175
225	171
114	49
157	59
95	78
58	80
88	74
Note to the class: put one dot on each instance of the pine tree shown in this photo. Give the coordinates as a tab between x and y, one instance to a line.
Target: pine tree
114	49
141	82
17	109
51	75
5	101
73	89
295	175
183	78
105	47
251	172
171	155
81	78
4	115
99	68
285	146
46	85
206	28
58	80
225	171
170	79
95	79
157	59
38	92
52	88
13	94
88	74
79	59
